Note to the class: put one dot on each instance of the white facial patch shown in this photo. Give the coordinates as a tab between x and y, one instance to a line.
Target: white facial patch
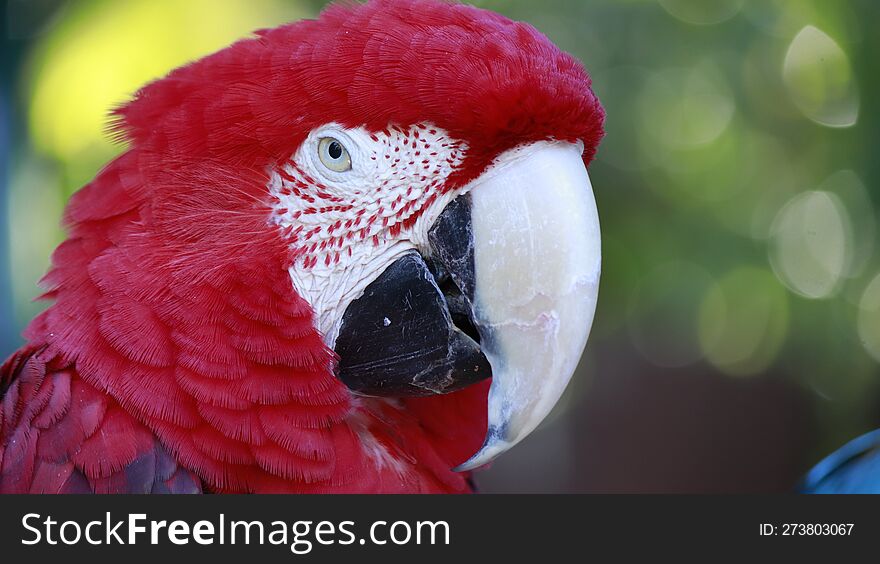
346	227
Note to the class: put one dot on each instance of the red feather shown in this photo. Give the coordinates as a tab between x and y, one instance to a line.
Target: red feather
177	355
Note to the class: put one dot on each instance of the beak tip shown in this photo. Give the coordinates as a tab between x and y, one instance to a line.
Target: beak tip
495	444
481	458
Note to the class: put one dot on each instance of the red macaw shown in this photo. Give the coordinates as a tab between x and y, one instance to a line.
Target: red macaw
352	254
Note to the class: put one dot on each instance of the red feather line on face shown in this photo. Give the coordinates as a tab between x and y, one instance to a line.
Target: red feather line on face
322	227
172	295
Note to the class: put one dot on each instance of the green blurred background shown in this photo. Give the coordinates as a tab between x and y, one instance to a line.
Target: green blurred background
738	331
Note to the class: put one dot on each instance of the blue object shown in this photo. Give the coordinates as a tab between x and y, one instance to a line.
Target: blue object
853	469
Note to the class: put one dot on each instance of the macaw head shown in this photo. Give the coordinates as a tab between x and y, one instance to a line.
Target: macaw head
387	203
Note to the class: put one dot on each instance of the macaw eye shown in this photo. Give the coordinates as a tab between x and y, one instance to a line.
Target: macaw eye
334	155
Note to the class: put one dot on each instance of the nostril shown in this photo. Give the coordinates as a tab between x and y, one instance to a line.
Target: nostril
437	270
458	305
459	309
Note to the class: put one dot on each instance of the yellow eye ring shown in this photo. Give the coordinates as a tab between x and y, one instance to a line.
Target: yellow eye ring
333	154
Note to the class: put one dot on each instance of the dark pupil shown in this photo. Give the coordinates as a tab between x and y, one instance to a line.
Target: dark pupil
335	150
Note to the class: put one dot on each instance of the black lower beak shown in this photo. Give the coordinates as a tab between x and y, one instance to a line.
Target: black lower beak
411	332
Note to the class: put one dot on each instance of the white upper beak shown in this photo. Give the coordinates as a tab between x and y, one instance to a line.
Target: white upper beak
537	262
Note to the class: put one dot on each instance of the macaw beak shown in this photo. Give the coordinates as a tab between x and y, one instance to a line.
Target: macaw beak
537	263
507	287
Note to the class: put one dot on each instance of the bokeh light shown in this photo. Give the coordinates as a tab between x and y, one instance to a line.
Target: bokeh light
744	321
685	107
853	195
811	242
701	12
869	318
91	64
820	79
